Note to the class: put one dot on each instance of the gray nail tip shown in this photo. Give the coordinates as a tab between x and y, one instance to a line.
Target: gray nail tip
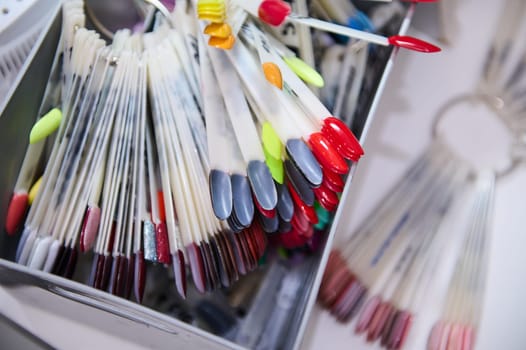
285	203
284	226
221	193
243	206
299	183
270	225
262	184
304	160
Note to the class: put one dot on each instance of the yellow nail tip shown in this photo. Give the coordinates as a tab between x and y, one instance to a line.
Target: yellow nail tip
45	126
213	19
222	43
33	191
271	142
219	30
273	74
304	71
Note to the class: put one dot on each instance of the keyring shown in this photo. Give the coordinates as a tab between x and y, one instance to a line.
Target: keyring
494	104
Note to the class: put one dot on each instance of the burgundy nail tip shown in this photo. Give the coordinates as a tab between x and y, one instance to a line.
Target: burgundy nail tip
179	273
15	212
162	243
326	154
71	263
273	12
106	271
112	287
122	277
411	43
139	280
389	328
130	279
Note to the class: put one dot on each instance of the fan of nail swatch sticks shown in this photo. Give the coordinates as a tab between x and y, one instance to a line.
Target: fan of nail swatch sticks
383	276
162	147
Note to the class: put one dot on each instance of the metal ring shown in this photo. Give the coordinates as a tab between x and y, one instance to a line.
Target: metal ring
489	101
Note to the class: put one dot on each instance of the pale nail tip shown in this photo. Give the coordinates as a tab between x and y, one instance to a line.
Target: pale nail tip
196	266
303	158
221	193
262	184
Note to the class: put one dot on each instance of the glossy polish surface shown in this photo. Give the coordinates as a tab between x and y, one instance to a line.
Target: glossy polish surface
273	12
408	42
15	212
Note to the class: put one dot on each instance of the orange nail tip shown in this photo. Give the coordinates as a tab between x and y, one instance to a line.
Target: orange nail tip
273	74
222	43
219	30
15	212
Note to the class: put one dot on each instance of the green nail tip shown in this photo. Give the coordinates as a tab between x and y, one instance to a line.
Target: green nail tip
304	71
275	166
45	126
320	226
271	142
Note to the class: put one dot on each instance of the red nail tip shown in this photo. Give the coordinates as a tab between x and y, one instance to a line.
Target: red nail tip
196	266
299	222
342	138
251	247
309	212
327	198
160	203
335	285
367	314
238	253
15	212
273	12
163	246
139	280
411	43
333	181
327	155
90	227
267	213
468	338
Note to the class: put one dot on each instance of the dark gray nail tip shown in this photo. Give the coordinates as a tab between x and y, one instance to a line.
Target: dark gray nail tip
221	193
285	203
299	183
243	206
262	184
303	158
270	225
284	226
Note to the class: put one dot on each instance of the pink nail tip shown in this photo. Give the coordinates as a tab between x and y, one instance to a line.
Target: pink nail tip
433	343
90	228
468	338
197	267
16	211
367	314
411	43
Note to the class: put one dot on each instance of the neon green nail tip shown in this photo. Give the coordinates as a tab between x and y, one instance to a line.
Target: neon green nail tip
271	142
45	126
275	166
304	71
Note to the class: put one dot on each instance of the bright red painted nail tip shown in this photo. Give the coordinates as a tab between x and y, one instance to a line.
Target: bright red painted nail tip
411	43
342	138
332	181
273	12
15	212
309	212
326	154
